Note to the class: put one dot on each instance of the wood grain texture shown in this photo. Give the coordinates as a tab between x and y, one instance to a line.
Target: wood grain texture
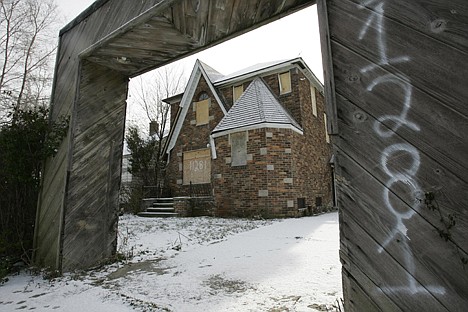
329	82
74	38
94	179
389	281
443	21
176	29
433	117
410	248
397	78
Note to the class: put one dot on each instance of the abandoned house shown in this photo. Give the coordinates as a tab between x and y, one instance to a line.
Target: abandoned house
253	143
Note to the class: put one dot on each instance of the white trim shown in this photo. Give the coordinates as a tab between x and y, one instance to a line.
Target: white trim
257	73
288	64
213	148
258	126
327	136
212	89
197	73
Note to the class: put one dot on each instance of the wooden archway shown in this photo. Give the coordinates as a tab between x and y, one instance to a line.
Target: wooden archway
99	51
394	73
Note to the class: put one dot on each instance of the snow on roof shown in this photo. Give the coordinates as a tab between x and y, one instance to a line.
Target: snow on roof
212	73
250	69
257	105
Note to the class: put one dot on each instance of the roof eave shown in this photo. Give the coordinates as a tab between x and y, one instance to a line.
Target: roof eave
217	134
173	99
197	72
295	62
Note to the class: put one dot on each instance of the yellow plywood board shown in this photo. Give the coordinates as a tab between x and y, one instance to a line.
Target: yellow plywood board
237	92
197	167
285	82
203	112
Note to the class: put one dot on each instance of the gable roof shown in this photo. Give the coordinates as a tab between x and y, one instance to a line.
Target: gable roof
257	107
199	70
254	69
267	110
263	69
212	73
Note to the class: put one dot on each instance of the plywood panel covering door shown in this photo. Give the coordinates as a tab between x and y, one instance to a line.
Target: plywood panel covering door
197	167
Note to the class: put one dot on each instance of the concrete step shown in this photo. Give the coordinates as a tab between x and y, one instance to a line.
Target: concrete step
164	199
160	209
159	204
147	214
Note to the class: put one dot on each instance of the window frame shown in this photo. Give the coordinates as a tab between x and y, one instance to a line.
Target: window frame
234	92
202	112
281	82
238	148
313	99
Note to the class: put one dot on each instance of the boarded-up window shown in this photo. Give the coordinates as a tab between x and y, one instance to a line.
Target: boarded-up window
237	92
203	96
203	112
327	137
285	82
197	167
313	100
238	149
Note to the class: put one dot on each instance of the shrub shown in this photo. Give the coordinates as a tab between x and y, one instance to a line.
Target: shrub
26	142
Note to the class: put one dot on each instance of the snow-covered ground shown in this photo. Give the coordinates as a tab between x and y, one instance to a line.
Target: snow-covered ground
200	264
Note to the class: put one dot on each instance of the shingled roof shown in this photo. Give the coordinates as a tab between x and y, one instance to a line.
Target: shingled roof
212	73
256	106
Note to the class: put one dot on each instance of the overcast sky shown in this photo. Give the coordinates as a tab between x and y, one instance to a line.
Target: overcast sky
292	36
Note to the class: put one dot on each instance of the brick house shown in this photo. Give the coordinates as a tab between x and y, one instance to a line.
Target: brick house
254	143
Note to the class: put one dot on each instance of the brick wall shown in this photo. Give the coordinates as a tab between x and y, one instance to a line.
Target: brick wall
282	165
191	137
312	152
289	100
264	187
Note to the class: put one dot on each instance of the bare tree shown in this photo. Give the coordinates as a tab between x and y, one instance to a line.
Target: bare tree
150	91
27	47
148	94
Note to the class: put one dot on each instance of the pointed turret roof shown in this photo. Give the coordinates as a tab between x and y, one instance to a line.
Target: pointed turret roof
256	106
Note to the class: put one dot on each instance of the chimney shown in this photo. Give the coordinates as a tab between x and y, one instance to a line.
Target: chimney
154	127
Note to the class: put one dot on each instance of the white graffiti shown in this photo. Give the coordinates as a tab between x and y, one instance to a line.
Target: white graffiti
386	127
407	178
377	18
399	120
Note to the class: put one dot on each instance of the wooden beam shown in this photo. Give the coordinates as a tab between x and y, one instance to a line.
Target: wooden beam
181	29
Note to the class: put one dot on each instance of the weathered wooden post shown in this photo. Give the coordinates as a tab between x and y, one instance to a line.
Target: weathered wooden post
77	213
394	76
